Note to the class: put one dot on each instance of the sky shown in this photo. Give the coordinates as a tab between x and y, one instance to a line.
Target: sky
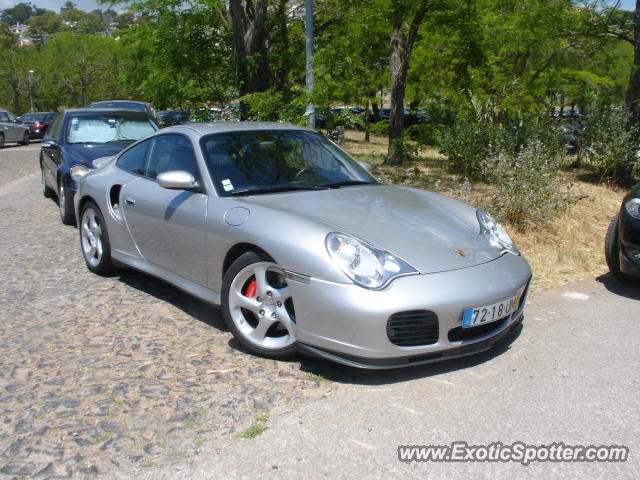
88	5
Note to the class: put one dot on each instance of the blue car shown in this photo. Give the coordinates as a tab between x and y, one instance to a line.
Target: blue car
76	138
622	243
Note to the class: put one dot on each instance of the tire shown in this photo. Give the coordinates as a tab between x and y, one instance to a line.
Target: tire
258	308
1	140
26	139
65	205
94	240
47	191
612	252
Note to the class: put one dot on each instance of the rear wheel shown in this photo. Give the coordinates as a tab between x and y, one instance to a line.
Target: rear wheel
26	139
94	240
1	140
612	252
65	205
258	308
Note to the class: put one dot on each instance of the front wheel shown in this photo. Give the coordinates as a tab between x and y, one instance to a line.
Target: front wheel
94	240
612	252
65	205
258	308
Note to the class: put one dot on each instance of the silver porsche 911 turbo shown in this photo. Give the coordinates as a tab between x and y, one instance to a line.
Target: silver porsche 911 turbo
301	247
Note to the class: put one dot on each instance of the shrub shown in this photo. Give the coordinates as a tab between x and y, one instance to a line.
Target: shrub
609	143
528	186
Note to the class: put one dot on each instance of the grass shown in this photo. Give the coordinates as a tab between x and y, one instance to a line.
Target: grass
566	249
257	428
253	431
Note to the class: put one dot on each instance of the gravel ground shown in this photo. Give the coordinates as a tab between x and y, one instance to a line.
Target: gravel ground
110	376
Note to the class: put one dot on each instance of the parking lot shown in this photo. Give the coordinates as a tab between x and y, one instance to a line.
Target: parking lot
127	377
106	375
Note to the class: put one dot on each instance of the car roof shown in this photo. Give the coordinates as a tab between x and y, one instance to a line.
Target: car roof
223	127
121	101
93	111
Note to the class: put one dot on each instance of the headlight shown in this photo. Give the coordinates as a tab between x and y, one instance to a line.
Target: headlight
495	234
365	265
78	171
633	207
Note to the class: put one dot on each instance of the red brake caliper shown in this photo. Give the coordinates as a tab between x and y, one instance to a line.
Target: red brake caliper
251	289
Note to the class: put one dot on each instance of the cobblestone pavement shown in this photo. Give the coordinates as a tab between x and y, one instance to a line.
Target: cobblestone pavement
108	376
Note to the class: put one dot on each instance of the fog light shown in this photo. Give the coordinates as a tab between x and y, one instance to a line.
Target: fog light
633	254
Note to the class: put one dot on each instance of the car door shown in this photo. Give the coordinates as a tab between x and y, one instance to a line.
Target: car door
50	150
5	126
16	131
168	226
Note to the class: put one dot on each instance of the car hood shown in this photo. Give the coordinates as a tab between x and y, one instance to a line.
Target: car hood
85	153
412	224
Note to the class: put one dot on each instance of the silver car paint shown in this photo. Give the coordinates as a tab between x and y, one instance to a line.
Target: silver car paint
423	228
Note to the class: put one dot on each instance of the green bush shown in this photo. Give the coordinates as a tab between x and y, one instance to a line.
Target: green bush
528	185
610	143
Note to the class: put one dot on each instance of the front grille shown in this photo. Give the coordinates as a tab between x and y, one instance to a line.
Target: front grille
457	334
414	328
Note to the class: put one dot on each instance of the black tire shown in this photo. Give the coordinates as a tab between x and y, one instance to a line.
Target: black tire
237	269
26	139
1	140
65	205
47	191
612	252
99	264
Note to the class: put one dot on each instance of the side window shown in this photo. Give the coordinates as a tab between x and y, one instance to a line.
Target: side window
134	159
12	118
172	152
56	127
4	117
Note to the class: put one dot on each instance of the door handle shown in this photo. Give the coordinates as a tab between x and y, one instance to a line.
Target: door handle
129	201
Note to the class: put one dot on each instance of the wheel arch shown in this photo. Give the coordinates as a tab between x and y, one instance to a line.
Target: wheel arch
238	250
83	201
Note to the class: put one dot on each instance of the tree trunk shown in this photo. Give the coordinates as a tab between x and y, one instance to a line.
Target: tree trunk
249	40
633	90
401	47
398	67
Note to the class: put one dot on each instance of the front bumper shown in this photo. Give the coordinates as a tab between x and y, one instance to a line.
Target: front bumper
348	324
629	235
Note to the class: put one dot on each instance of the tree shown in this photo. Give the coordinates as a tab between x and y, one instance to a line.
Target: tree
406	19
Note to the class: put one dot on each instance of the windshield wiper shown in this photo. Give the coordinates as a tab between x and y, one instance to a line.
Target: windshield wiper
346	183
278	189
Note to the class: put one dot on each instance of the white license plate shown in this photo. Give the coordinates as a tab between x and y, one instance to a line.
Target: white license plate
489	313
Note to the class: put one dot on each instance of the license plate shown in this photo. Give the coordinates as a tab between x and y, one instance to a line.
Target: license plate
489	313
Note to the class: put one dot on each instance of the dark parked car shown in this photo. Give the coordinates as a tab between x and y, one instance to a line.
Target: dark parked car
12	129
134	104
76	138
38	122
622	243
173	117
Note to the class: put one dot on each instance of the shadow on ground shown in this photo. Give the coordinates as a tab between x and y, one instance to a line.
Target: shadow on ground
615	286
165	292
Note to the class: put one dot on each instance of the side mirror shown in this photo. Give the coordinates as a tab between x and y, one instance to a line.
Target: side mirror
49	143
366	165
176	180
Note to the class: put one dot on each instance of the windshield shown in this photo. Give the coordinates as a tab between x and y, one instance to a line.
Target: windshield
268	161
105	128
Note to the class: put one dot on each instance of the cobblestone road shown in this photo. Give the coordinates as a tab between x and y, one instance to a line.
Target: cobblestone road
109	376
